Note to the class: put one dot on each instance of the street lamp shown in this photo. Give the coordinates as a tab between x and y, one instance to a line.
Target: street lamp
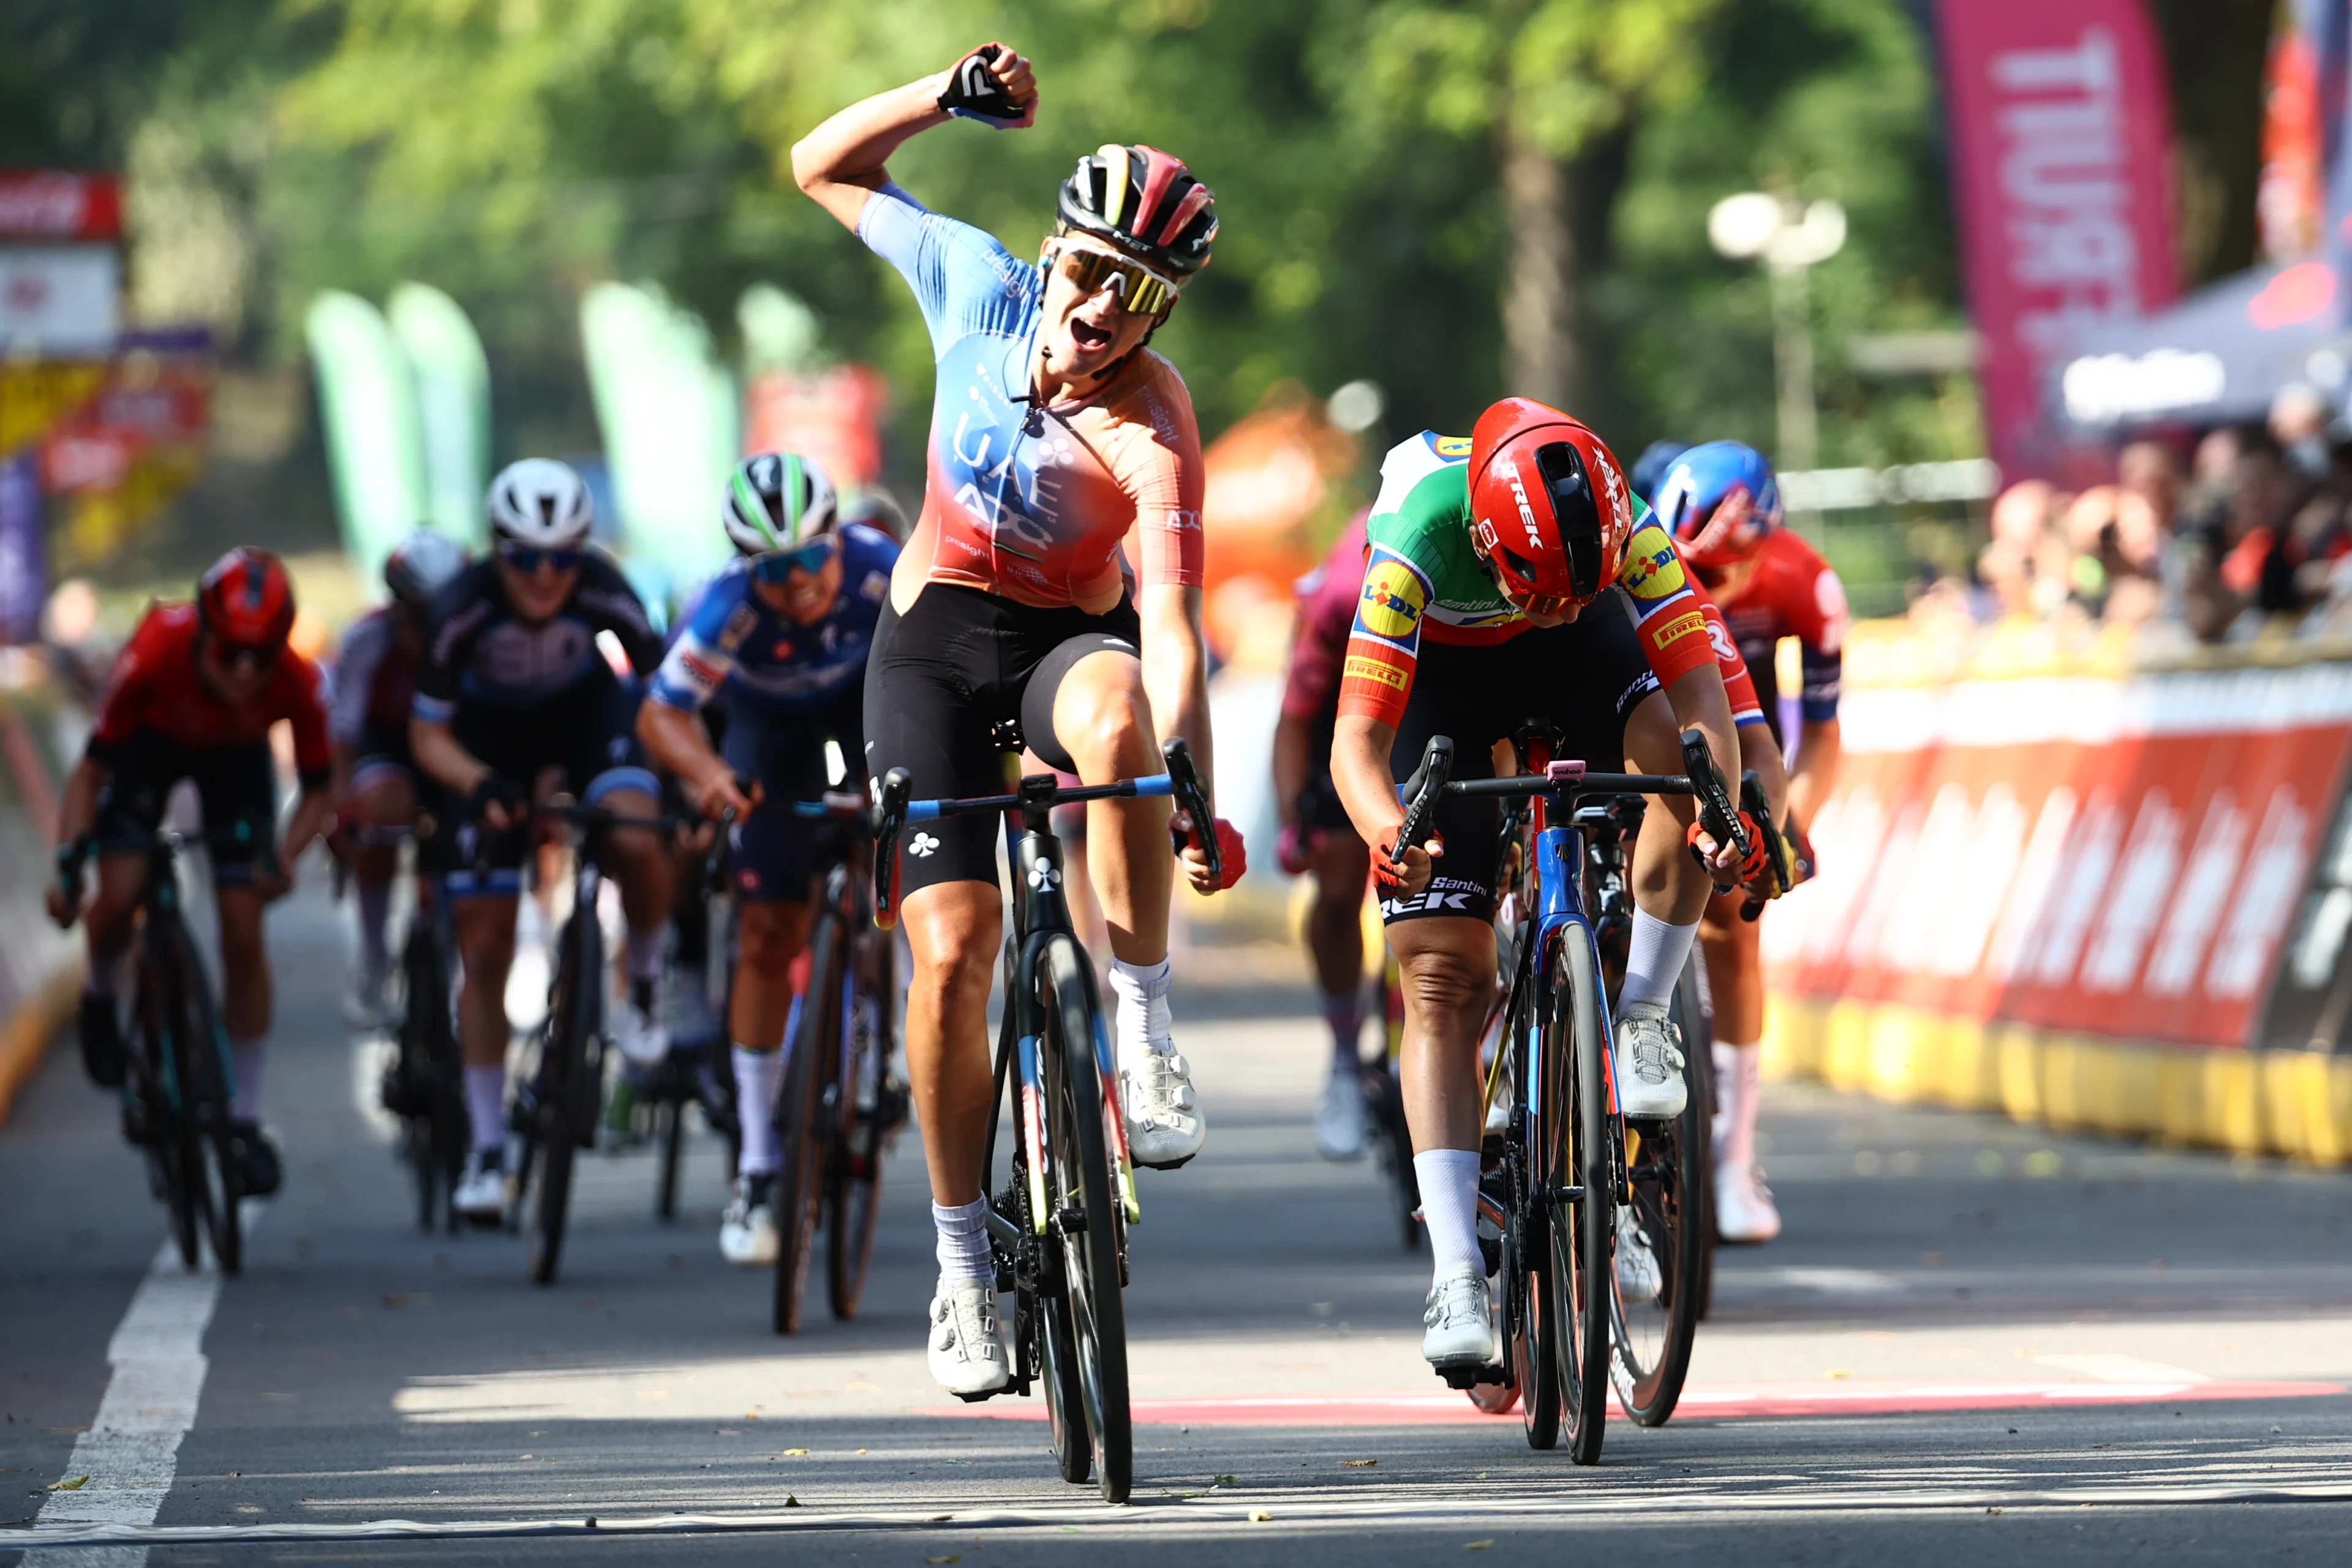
1789	241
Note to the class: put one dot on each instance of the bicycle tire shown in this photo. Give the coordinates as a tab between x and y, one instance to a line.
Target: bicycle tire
1580	1227
1077	1107
673	1149
800	1177
1650	1342
161	1118
1696	1024
451	1127
421	1145
857	1158
204	1072
1396	1154
566	1080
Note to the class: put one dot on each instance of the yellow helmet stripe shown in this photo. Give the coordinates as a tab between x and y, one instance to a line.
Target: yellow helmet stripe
1115	183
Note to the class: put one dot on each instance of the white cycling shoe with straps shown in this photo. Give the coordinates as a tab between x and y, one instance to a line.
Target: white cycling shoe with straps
1164	1127
1650	1079
1744	1210
1460	1321
966	1352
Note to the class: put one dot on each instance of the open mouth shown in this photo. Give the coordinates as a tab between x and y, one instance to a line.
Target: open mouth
1087	336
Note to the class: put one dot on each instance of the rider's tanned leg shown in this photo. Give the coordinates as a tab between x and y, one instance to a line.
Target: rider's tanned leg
954	929
1447	969
1102	716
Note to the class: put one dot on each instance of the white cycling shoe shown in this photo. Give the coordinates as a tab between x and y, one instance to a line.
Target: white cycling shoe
481	1194
364	998
641	1023
747	1230
1637	1263
1744	1210
966	1354
1339	1117
1164	1128
1650	1082
1461	1323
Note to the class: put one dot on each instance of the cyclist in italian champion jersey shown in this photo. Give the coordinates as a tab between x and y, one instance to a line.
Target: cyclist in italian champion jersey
1056	432
194	695
779	641
1476	612
515	697
373	686
1722	501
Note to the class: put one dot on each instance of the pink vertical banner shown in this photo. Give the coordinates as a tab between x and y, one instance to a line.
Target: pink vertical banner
2061	130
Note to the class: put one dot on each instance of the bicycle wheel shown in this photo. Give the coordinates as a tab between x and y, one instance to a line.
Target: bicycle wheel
867	1105
1651	1338
1573	1051
162	1102
213	1159
672	1111
565	1116
1085	1221
1696	1022
411	1077
800	1111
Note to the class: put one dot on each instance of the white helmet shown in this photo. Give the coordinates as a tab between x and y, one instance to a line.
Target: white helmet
540	502
422	564
778	500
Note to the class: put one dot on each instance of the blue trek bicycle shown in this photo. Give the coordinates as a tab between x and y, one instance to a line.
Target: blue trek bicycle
1059	1225
1564	1174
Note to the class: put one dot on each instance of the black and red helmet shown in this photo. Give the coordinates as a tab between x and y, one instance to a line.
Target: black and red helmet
1549	505
1144	203
247	601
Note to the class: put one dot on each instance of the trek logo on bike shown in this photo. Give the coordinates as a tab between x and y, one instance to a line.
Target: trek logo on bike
1445	895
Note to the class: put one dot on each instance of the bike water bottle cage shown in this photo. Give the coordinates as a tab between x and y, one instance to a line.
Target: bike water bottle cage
974	93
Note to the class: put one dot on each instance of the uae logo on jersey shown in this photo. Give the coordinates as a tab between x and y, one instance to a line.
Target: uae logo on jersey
1392	601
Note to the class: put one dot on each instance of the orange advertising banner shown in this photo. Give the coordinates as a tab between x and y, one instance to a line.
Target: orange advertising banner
2125	857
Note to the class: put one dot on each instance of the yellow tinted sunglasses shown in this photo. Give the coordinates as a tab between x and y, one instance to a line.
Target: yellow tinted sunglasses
1141	291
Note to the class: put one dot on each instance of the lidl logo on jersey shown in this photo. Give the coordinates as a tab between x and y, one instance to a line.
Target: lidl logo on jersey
1653	570
1451	446
1394	598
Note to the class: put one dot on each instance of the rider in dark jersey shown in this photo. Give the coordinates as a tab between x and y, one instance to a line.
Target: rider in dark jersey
516	696
372	692
778	642
1055	431
193	696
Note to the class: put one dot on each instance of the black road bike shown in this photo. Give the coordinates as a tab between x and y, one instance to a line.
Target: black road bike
181	1078
839	1105
1058	1225
1564	1175
424	1084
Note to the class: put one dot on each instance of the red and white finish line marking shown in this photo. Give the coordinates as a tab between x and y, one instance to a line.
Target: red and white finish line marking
1733	1400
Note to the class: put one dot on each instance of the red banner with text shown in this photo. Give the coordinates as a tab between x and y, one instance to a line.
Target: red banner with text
2117	858
2061	130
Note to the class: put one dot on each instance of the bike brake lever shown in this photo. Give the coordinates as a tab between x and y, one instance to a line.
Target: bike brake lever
1716	812
1421	790
889	817
1184	785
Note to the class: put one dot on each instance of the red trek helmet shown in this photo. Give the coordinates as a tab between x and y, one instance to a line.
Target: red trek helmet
247	601
1550	511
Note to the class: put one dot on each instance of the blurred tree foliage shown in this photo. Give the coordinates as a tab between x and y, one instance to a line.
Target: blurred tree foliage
515	151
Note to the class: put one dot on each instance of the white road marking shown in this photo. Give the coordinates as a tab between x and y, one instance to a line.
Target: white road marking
130	1452
1828	1281
2122	1368
1154	1516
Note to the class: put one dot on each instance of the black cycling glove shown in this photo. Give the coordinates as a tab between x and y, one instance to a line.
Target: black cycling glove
492	787
974	93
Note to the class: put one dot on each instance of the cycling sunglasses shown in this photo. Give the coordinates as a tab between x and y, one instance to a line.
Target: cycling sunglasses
525	559
1141	290
778	564
247	658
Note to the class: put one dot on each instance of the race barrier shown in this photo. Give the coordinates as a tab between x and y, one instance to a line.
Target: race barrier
40	966
2111	900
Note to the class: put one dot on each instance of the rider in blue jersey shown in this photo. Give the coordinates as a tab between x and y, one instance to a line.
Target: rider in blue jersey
780	638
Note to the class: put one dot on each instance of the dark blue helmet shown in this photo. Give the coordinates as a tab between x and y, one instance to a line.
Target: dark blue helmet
1718	501
1651	467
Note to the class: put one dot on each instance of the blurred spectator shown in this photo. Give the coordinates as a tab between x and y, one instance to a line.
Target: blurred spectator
2240	558
2299	419
2027	565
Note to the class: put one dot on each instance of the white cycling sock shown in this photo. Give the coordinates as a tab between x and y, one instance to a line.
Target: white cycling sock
963	1241
374	900
1344	1013
245	1056
1449	1207
486	1107
1653	960
1140	992
1736	1101
757	1075
646	955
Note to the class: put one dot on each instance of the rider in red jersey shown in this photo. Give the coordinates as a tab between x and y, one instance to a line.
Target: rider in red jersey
193	696
1723	505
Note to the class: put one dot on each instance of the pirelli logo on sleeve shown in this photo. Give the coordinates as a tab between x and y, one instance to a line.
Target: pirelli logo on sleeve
1681	626
1379	671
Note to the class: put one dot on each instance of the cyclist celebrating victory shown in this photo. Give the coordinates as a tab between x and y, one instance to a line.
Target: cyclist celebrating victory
780	638
374	688
193	696
513	686
1487	550
1722	503
1055	431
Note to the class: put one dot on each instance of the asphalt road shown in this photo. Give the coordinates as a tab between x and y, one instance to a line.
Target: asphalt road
1974	1338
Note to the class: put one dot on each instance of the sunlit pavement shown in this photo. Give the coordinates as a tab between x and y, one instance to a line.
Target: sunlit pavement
1974	1337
